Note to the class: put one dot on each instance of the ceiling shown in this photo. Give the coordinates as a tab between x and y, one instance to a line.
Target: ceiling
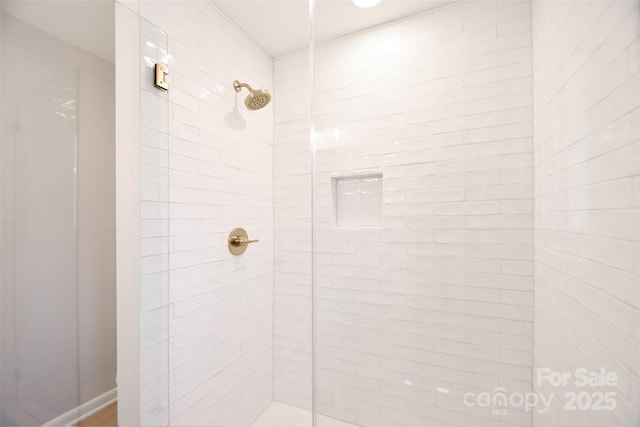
282	27
85	24
279	26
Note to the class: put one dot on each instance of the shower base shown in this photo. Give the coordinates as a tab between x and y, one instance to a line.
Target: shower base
280	414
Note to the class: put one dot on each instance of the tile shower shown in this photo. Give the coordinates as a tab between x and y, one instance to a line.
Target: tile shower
447	206
420	274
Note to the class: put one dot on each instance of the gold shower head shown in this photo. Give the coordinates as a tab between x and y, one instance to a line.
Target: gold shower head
257	98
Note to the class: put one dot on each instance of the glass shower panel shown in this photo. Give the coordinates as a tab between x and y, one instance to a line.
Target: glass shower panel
58	216
422	288
220	174
154	228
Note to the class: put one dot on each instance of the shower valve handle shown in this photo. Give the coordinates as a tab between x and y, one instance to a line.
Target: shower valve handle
240	240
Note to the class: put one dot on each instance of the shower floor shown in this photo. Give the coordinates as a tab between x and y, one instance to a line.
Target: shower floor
280	414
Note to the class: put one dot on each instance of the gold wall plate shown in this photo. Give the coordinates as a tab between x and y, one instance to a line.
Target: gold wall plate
238	241
161	73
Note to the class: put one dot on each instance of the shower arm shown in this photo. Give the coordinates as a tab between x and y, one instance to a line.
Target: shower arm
238	86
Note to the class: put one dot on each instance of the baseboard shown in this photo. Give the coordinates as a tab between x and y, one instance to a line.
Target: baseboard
85	410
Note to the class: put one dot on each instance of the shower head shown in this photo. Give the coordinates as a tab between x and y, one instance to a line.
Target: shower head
257	98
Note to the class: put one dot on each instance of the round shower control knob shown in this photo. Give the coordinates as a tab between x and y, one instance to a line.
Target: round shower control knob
238	241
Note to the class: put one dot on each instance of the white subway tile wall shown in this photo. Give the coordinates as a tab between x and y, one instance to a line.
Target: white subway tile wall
215	173
587	210
437	301
292	373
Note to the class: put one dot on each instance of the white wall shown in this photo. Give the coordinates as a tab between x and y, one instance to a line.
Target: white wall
206	166
441	294
127	85
58	225
587	218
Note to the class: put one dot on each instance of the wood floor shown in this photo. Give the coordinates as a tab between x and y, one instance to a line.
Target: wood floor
108	417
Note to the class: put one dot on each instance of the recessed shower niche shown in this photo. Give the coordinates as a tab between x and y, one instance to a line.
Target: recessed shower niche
358	200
